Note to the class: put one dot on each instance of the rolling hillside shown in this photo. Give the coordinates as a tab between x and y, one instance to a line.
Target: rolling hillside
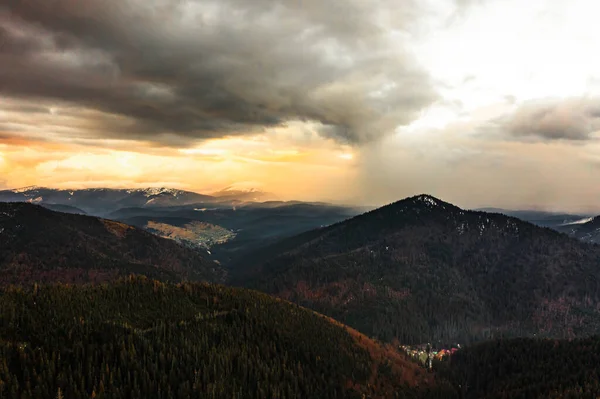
144	339
39	245
422	270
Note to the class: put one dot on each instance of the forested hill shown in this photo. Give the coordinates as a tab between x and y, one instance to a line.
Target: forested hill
37	244
425	270
527	368
144	339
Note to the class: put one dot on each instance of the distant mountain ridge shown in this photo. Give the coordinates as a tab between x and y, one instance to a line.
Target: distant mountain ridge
422	269
101	201
584	227
40	245
253	224
240	193
587	229
540	218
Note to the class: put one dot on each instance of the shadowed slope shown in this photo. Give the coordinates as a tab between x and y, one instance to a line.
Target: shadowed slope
138	338
37	244
424	270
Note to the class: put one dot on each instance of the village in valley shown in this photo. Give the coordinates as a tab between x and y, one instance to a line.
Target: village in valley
425	354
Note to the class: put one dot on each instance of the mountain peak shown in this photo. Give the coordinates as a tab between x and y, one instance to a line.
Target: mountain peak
25	189
240	189
427	254
428	199
153	191
244	192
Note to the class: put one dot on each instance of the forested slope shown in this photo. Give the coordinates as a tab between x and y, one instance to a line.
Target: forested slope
527	368
40	245
424	270
144	339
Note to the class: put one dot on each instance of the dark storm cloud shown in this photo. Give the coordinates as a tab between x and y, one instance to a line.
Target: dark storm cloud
202	69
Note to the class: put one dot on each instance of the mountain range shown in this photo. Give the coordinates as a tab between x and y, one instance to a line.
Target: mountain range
150	206
102	201
346	290
422	270
229	219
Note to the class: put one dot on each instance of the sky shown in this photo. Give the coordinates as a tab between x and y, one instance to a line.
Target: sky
478	102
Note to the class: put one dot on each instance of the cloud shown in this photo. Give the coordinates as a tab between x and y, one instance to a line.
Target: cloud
574	119
183	70
267	160
470	172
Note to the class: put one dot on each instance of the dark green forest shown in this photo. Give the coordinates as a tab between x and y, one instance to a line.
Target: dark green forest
140	338
424	270
526	368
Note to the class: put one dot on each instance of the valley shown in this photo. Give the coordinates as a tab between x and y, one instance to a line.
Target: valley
414	271
228	224
195	233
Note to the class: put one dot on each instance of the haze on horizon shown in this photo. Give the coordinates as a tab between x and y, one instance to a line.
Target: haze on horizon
478	102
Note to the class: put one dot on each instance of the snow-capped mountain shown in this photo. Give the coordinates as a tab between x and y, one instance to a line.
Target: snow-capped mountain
244	192
587	229
579	221
554	220
100	201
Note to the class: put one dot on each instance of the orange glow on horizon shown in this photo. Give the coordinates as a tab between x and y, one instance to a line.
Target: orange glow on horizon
283	168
